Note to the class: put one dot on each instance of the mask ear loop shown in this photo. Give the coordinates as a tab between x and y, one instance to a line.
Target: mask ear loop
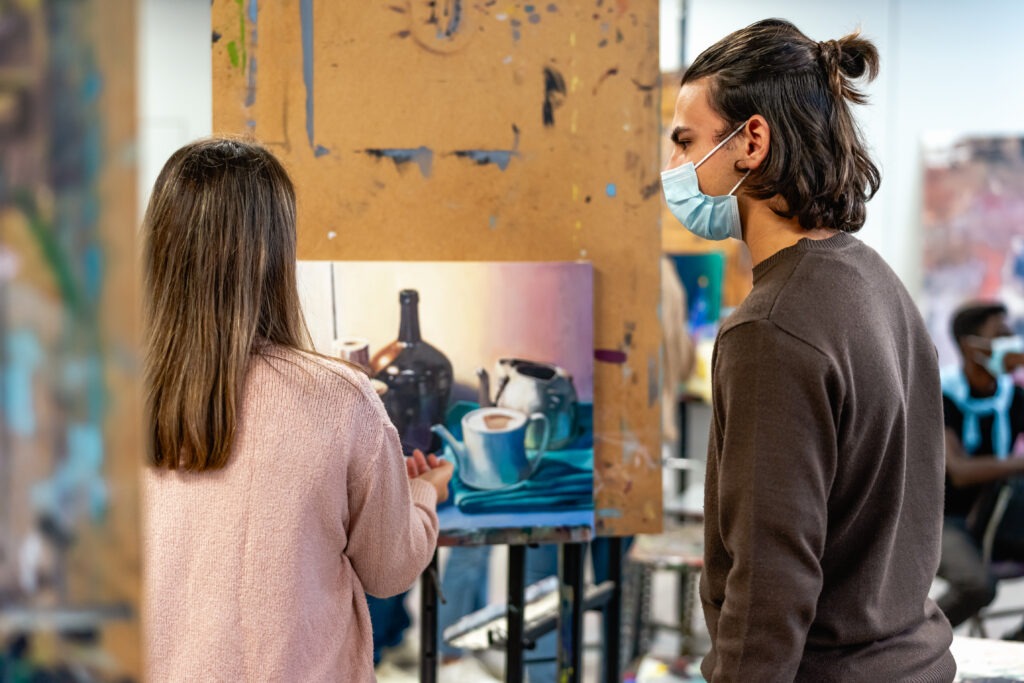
719	146
737	185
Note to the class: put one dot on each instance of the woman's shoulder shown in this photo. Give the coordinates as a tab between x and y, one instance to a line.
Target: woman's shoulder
317	373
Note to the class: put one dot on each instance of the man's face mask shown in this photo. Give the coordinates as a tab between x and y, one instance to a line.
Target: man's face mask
999	348
712	218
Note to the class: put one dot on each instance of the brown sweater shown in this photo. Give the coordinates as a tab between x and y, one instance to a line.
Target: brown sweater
825	473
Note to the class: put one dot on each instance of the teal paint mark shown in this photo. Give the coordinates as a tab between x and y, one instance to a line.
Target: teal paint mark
93	263
492	222
421	156
611	190
499	157
609	513
24	355
79	479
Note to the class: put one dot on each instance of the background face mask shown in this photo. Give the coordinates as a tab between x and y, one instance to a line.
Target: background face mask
1001	346
711	218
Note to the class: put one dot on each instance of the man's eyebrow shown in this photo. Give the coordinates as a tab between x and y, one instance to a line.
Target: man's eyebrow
677	132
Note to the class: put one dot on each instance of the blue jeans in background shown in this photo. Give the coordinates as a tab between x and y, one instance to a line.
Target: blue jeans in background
541	563
464	586
389	619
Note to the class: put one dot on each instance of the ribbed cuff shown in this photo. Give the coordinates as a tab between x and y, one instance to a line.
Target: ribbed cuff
423	493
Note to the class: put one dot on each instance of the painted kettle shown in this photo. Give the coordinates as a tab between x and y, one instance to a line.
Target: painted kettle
531	387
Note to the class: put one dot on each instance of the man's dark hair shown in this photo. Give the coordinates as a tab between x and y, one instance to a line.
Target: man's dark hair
817	161
970	318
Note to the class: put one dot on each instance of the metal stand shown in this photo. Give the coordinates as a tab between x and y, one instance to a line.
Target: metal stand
573	601
428	623
612	619
516	613
570	626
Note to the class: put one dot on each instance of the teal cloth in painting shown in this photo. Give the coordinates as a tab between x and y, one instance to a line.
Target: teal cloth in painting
562	480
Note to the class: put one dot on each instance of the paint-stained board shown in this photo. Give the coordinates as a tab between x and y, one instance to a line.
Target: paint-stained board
451	130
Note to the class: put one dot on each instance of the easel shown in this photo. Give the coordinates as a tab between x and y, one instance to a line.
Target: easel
569	623
542	144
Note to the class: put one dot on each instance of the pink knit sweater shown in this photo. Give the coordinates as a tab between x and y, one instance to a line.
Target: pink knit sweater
257	572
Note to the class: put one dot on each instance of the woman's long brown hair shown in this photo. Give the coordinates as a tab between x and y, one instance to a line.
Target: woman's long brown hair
219	286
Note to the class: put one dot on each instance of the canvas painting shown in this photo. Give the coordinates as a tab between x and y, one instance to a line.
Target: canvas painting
973	224
489	365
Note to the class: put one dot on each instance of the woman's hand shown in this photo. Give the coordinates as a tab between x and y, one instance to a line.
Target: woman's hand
431	469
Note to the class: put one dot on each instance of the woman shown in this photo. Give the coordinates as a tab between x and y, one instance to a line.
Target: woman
823	499
276	492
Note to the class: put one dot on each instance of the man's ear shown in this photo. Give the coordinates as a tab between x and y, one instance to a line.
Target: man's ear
756	139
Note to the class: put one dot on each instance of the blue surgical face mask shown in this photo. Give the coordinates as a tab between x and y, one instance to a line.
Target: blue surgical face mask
996	363
712	218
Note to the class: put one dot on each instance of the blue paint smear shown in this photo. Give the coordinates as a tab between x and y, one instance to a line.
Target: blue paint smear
609	513
421	156
320	151
306	18
250	95
611	190
499	157
492	222
534	18
250	123
250	90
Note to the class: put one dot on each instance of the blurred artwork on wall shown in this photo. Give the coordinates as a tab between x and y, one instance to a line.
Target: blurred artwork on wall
973	229
69	424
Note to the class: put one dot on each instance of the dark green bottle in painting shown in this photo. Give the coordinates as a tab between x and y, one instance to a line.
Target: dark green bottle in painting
418	377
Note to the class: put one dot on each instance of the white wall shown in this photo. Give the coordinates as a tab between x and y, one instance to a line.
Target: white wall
946	65
175	82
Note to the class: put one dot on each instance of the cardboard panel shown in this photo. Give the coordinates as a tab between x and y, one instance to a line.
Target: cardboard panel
453	130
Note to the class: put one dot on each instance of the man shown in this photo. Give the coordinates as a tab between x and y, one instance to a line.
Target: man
984	415
823	498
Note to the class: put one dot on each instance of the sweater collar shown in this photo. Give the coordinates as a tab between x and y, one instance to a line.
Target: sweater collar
839	240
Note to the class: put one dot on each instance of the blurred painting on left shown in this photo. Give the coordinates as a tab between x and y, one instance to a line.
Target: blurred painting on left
69	411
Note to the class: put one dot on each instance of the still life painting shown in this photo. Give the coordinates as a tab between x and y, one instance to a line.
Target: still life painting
488	365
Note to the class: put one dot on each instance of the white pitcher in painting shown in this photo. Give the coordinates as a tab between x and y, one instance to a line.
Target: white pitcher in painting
492	454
